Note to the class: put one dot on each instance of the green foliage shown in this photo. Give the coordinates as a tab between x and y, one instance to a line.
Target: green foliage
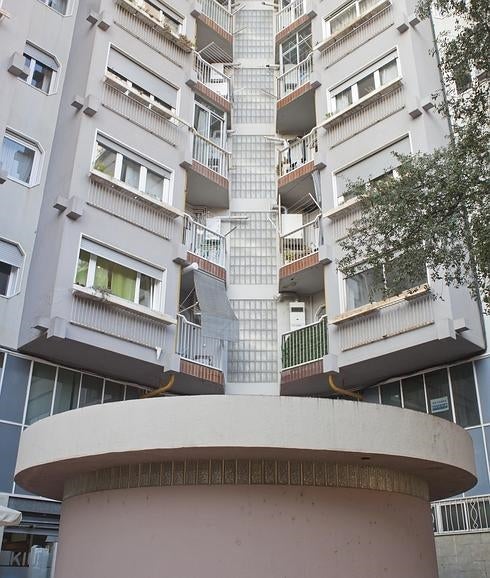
437	210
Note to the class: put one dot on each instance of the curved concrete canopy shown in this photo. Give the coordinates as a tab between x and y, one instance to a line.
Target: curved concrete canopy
59	447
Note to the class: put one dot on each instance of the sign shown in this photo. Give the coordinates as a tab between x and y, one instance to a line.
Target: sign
439	404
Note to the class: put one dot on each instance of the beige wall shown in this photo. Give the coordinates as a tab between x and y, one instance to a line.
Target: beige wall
245	532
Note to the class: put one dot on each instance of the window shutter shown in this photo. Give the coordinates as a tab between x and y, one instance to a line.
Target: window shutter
41	57
11	254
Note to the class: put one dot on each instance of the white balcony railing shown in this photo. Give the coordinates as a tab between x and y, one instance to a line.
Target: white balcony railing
295	77
298	153
210	155
301	242
289	14
218	14
463	515
304	345
204	242
191	345
212	78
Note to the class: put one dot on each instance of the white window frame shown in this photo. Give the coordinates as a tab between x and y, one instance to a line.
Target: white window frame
168	181
361	75
168	12
13	286
201	104
68	7
54	76
158	299
298	42
36	163
327	20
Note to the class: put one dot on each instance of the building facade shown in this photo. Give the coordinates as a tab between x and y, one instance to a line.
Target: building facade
171	208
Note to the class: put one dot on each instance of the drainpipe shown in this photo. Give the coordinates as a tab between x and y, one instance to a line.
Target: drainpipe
160	390
353	394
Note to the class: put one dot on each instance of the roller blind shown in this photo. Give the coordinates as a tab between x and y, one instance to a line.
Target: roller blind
11	254
142	77
41	57
121	259
373	166
360	75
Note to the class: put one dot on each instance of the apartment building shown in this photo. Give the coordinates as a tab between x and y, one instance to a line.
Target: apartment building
173	191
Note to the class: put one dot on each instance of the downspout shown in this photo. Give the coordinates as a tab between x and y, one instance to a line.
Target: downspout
353	394
160	390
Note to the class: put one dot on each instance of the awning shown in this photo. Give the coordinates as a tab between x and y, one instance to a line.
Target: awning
9	517
217	317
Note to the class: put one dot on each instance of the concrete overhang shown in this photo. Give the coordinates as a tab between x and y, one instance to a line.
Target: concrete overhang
61	447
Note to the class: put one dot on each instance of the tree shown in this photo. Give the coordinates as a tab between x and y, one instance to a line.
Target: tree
436	210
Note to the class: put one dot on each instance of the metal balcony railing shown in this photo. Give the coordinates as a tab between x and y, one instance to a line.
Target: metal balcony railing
212	78
210	155
191	345
289	14
301	242
218	14
295	77
298	153
204	242
463	515
309	343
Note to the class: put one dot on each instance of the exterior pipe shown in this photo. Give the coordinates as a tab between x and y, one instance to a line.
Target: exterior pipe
340	391
160	390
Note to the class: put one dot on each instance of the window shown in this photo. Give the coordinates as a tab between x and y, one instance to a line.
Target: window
20	158
295	49
67	390
163	14
42	69
141	82
11	260
106	270
464	395
209	121
40	392
348	15
390	394
414	393
131	169
375	284
438	395
365	83
60	6
91	390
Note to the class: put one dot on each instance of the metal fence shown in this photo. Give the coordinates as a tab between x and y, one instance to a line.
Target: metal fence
301	242
212	78
218	14
210	155
298	153
289	14
204	242
463	515
309	343
191	345
295	77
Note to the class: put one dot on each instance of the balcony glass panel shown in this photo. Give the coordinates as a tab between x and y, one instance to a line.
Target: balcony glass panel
438	395
390	394
464	395
40	393
67	390
413	393
91	392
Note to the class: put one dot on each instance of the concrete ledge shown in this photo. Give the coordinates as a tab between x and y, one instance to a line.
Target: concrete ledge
62	446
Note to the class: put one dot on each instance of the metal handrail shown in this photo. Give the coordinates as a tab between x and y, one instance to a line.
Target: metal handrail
206	72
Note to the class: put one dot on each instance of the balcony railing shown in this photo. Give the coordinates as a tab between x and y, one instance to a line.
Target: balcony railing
218	14
191	345
289	14
301	242
210	155
141	18
212	78
138	109
204	242
309	343
295	77
463	515
298	153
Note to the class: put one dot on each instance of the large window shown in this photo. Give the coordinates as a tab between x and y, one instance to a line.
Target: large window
376	284
363	84
11	259
20	158
295	49
209	121
116	274
133	170
42	69
348	15
60	6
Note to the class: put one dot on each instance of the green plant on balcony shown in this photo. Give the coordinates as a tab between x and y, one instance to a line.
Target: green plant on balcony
305	345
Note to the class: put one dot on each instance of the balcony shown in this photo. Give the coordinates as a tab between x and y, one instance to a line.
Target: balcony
202	359
205	247
366	112
211	83
303	365
296	164
141	111
296	98
303	256
207	183
463	515
372	23
143	21
214	26
291	17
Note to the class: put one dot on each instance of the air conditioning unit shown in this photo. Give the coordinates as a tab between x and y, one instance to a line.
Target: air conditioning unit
297	315
291	222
